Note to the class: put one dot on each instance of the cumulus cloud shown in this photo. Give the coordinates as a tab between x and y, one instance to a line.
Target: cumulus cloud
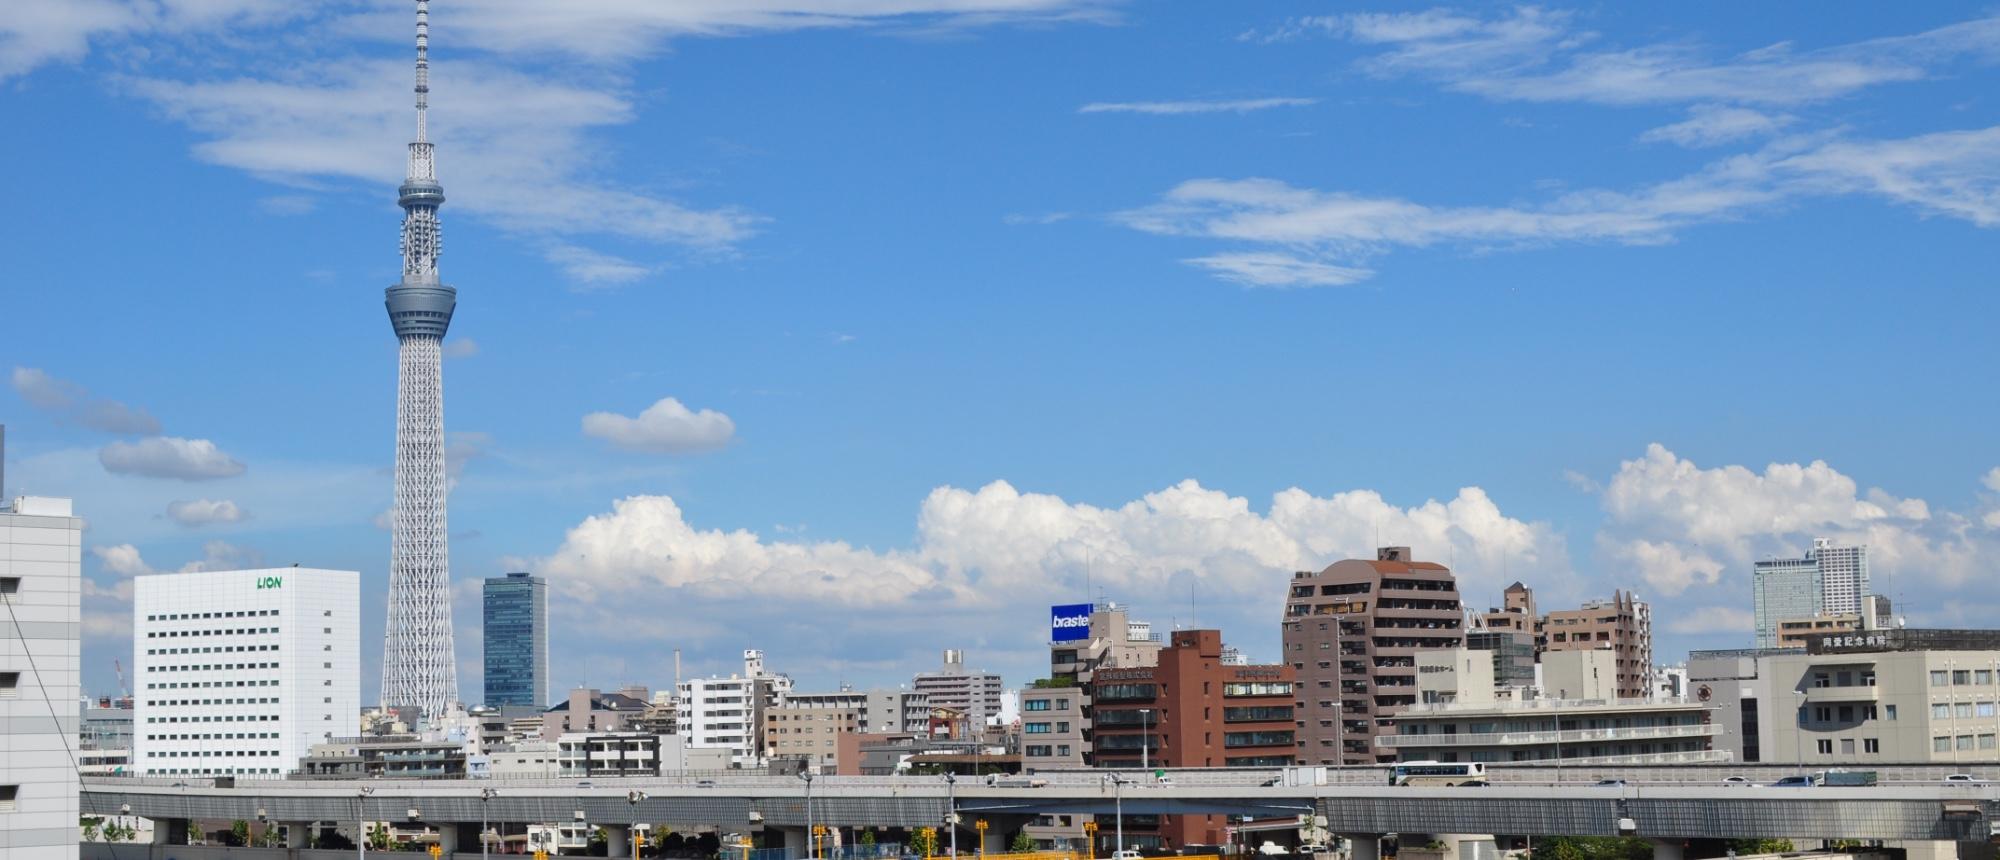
70	401
122	559
1175	108
1682	526
170	457
202	512
998	545
666	427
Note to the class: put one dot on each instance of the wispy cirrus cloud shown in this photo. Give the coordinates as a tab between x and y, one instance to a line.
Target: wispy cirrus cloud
1540	55
589	269
1297	233
1175	108
1710	125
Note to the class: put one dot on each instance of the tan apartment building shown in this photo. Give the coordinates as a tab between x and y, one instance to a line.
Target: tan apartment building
1351	632
1792	632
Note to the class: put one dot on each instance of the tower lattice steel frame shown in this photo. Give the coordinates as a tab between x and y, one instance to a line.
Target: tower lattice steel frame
419	666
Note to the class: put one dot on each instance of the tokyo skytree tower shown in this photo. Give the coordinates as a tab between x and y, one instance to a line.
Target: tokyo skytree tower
419	666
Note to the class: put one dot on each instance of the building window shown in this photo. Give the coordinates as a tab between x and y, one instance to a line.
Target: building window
1982	677
10	685
1889	710
1033	705
1965	742
1963	710
1824	745
1846	746
1871	745
1062	749
1986	742
10	585
1941	711
1035	728
1939	678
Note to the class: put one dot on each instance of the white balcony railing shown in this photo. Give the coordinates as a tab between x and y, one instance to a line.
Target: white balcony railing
1575	736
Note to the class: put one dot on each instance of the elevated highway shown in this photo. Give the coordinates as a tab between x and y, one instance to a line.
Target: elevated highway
1669	806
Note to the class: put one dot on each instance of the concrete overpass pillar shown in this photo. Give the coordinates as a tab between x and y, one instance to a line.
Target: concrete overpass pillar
1929	849
296	832
1670	849
1363	846
448	838
617	840
796	842
170	831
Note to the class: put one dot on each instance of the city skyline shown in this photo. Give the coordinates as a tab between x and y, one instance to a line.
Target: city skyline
965	355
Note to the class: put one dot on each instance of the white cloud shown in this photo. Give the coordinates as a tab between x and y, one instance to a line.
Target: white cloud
1684	527
287	204
170	457
1708	620
997	545
1956	174
507	151
1530	54
203	512
463	347
666	427
1273	269
1992	480
1709	125
122	559
1191	107
592	269
70	401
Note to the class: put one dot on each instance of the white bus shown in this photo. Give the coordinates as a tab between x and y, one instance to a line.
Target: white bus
1438	773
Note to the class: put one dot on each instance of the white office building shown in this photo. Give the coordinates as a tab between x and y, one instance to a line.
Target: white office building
41	575
728	713
240	672
971	691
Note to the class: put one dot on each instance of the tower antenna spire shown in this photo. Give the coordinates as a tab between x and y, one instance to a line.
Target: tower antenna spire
419	666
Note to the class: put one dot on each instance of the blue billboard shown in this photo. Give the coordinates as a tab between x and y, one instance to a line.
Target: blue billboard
1069	623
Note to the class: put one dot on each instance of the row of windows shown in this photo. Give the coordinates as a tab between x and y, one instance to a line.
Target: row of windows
1946	743
216	754
214	771
218	736
213	649
169	703
1961	710
209	667
232	718
1258	688
188	685
1961	677
1044	750
1043	704
197	616
1043	728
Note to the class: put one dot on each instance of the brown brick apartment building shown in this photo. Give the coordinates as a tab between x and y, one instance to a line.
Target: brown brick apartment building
1191	710
1352	633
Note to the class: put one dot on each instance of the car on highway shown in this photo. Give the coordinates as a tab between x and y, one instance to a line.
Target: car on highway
1737	780
704	783
1610	782
1127	854
1962	779
1795	782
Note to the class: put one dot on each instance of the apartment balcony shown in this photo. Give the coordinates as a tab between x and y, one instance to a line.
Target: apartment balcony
1855	693
1574	736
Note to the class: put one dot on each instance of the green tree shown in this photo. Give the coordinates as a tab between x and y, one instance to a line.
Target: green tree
924	842
239	832
89	825
867	839
1022	841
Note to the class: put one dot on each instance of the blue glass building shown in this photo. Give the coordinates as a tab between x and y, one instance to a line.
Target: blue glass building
517	640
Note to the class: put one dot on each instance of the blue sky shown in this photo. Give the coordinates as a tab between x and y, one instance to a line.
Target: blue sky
855	331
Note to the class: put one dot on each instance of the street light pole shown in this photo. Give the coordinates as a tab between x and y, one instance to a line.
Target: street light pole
951	810
361	822
485	794
812	840
633	797
1118	810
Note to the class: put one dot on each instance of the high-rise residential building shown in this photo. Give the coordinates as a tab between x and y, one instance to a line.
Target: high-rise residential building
241	672
729	713
419	664
41	582
516	636
1352	633
1622	625
1828	580
973	692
